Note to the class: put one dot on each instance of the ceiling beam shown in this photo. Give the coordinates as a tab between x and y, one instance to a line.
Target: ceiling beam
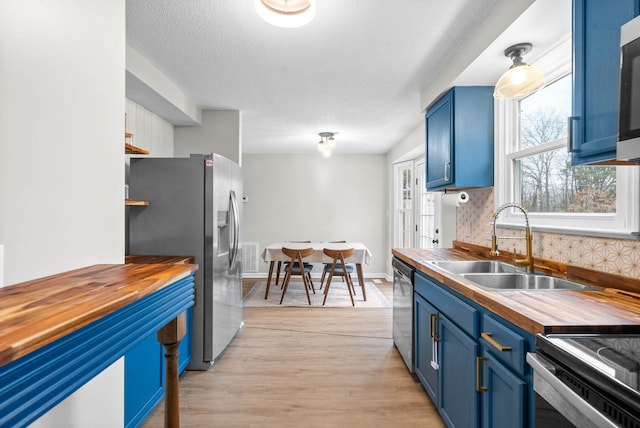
149	87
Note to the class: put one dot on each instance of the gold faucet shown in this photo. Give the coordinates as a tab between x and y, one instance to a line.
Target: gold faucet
528	260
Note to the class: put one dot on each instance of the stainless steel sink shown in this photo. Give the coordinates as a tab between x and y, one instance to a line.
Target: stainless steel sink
496	275
476	266
523	281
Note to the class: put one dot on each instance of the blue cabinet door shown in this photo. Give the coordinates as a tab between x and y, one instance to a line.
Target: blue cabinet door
459	139
144	374
424	317
459	400
593	128
504	402
143	379
439	138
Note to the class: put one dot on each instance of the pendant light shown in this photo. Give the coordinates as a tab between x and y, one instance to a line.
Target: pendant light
521	79
326	144
286	13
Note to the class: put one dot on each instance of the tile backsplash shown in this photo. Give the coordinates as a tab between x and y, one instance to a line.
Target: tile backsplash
619	256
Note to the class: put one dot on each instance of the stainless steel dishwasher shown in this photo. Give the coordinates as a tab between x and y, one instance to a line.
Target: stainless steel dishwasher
403	310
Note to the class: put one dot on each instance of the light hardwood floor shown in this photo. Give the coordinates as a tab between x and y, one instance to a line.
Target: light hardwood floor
306	367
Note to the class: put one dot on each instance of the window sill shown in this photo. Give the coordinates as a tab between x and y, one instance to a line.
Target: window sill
617	234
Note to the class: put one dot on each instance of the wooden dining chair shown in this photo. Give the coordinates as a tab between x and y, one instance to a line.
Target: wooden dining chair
297	267
339	256
283	265
338	269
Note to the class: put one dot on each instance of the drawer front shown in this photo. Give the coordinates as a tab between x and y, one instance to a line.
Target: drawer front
462	314
494	335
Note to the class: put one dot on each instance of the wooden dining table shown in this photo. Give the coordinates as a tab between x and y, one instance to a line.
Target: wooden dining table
273	253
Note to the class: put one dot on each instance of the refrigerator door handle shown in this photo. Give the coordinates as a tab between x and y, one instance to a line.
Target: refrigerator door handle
233	206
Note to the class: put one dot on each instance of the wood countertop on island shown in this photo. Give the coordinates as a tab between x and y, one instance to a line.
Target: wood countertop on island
38	312
609	310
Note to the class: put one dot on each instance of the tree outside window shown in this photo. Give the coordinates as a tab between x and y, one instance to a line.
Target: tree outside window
545	180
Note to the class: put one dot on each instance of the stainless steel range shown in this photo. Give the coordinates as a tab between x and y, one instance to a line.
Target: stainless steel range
587	380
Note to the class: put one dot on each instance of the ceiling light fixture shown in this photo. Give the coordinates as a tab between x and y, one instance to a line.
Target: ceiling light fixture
286	13
326	144
521	79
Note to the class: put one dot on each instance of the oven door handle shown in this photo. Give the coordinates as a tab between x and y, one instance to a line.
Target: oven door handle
561	397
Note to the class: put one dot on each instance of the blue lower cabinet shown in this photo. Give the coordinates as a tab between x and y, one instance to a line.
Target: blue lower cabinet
143	379
144	374
504	401
33	384
424	317
459	405
472	382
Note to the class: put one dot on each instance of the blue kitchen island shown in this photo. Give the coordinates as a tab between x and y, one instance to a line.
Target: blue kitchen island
58	332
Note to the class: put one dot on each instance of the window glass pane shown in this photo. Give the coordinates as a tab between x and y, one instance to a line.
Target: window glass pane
404	206
427	220
407	187
548	183
543	115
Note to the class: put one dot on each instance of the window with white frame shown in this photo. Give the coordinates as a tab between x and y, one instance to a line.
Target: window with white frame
534	169
404	204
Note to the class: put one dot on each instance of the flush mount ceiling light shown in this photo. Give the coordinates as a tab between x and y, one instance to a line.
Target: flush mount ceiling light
286	13
326	144
521	79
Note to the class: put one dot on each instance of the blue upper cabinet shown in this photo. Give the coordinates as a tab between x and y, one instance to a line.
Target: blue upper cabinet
459	139
593	128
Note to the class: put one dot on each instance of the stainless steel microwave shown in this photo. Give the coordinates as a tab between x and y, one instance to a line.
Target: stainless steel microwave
629	113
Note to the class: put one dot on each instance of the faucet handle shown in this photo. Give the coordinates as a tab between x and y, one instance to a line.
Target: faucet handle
494	247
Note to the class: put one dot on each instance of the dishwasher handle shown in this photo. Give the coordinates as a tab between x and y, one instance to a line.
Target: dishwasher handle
401	274
403	269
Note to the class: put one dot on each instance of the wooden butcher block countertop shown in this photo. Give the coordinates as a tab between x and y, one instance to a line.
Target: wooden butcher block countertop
38	312
614	309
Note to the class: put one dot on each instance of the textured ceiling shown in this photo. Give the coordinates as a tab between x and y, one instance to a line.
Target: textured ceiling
357	69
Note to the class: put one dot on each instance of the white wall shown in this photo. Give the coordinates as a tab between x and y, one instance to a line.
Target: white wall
307	197
61	149
150	131
219	133
61	133
1	265
87	406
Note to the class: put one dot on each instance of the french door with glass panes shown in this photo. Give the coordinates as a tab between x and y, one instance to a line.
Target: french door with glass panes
414	221
410	186
404	204
426	233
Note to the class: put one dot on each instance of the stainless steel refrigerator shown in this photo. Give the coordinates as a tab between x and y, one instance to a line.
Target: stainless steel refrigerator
193	210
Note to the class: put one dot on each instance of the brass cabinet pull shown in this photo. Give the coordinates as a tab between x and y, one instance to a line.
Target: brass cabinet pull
479	386
487	336
433	327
